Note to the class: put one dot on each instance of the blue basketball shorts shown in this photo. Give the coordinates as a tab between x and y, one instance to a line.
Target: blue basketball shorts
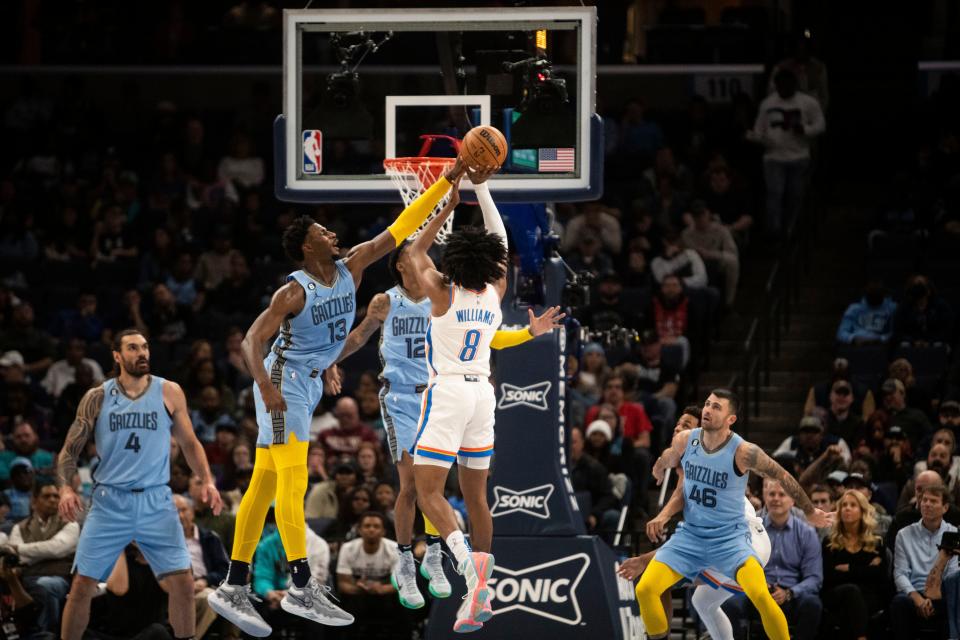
301	387
119	517
689	554
400	408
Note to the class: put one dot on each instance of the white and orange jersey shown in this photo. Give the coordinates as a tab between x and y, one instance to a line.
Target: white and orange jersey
458	342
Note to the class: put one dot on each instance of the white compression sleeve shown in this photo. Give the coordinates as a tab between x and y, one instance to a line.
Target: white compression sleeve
707	600
491	216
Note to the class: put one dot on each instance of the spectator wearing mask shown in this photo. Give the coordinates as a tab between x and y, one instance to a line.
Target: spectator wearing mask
913	422
911	513
869	321
670	316
588	475
63	372
924	318
787	121
20	493
345	439
44	545
854	567
24	444
716	246
208	558
610	310
819	394
914	557
636	425
676	259
795	568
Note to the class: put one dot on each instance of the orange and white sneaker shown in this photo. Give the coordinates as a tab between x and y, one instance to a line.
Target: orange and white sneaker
475	609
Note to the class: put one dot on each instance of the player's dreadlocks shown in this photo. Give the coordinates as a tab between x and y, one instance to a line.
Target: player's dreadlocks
394	259
295	235
473	258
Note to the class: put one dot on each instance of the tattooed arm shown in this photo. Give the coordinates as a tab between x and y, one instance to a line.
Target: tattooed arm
750	457
77	437
935	579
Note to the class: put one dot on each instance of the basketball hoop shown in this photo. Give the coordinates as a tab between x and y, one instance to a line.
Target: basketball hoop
415	174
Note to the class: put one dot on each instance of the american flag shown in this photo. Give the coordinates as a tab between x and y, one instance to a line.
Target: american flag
557	159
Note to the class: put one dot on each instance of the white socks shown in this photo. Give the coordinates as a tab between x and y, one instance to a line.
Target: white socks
458	547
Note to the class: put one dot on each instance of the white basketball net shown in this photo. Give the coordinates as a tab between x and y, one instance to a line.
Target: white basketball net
412	176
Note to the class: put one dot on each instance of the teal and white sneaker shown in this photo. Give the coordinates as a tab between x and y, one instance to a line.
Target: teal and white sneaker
404	580
432	569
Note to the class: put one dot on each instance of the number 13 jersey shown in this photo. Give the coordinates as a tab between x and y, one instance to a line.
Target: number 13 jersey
458	342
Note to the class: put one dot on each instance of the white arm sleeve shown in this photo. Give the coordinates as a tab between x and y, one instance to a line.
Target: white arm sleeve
491	216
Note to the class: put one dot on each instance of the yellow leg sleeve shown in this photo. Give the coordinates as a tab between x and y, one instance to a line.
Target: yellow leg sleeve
291	462
655	580
428	527
751	577
253	507
414	215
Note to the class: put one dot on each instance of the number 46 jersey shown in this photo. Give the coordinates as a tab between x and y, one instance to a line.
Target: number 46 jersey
403	339
458	342
713	488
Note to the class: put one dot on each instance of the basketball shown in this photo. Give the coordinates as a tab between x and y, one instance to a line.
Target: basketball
483	147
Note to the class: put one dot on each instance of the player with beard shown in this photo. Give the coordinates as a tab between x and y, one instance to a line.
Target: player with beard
131	418
714	533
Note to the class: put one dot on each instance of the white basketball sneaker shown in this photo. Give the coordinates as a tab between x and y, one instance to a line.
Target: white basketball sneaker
432	569
233	603
404	580
313	603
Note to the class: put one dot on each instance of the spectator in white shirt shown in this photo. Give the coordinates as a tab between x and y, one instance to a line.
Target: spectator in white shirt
786	122
677	260
64	372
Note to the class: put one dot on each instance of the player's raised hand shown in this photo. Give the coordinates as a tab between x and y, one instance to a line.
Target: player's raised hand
480	175
71	506
332	381
821	519
272	398
546	321
209	495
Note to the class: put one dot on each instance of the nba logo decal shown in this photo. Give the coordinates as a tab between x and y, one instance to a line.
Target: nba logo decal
312	151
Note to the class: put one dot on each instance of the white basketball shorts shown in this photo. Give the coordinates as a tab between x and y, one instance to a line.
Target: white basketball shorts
456	422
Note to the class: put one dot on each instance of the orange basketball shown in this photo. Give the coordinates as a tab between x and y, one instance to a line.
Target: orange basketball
483	147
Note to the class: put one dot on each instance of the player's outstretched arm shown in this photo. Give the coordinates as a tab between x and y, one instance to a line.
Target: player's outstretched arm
491	215
366	253
423	269
182	430
539	325
288	300
670	457
78	435
376	315
750	457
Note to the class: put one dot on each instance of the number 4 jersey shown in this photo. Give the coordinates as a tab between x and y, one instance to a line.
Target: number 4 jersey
713	488
133	437
402	340
458	342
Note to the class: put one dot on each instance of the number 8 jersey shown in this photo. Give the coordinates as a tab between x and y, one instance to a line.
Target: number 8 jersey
458	342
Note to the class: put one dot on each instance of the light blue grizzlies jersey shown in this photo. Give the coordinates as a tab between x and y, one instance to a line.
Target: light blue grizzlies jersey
315	336
713	490
402	354
133	438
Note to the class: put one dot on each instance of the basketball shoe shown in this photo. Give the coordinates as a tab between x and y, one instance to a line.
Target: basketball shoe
313	603
404	580
476	570
232	602
432	569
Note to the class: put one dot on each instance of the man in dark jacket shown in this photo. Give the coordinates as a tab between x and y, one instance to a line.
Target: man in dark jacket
590	476
209	560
